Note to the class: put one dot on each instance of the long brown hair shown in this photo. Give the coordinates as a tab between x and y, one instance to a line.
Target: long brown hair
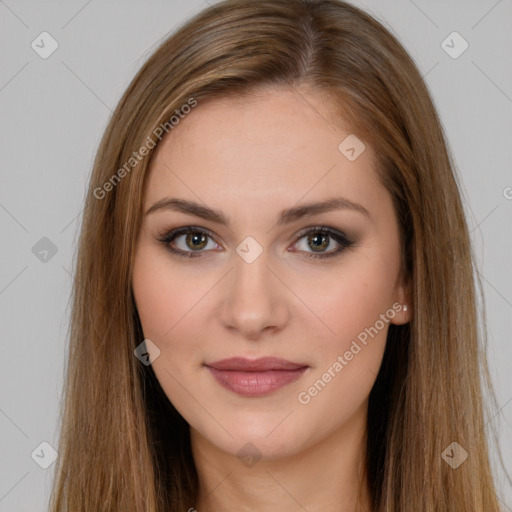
123	446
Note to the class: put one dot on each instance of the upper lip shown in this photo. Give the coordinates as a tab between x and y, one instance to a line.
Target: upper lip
255	365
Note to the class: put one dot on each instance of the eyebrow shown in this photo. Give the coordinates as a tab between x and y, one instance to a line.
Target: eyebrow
285	216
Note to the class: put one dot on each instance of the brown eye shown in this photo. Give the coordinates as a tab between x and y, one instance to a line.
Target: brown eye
196	240
322	242
318	242
188	241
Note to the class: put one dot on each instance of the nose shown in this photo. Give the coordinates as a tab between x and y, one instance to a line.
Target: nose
254	299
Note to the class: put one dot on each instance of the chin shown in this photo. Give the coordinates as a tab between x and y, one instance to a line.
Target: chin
265	439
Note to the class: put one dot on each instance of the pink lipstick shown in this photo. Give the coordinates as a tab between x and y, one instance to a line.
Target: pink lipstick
256	377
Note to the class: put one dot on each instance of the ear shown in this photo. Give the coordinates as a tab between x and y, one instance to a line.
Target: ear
402	303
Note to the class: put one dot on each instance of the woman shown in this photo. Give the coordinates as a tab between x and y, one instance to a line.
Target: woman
274	305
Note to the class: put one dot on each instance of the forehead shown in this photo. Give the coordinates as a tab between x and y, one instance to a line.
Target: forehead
279	144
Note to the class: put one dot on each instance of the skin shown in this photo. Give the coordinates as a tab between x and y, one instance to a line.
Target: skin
252	158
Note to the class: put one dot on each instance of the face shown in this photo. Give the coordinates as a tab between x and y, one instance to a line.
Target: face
234	260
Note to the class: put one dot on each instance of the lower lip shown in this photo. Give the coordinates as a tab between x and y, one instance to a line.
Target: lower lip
255	383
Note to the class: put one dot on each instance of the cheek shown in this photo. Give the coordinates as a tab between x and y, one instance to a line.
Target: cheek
357	310
164	297
355	307
349	299
166	302
173	307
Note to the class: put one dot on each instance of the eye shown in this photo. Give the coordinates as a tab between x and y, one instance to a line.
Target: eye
320	238
188	241
191	241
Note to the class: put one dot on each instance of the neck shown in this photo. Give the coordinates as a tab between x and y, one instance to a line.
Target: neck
329	475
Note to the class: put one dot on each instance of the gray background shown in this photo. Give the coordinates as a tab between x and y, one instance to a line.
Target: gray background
54	111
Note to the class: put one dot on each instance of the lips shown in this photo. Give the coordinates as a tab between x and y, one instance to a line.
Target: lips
255	365
257	377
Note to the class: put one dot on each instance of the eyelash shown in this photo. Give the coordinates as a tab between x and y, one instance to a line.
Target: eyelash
168	237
